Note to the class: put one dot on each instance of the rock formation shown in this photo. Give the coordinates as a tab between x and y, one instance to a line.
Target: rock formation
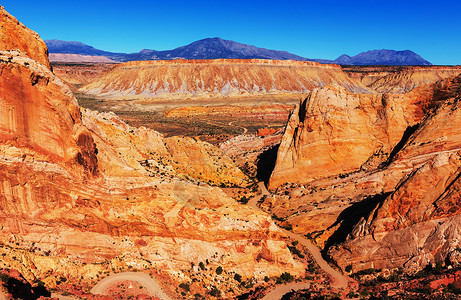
83	193
398	79
395	207
220	77
335	132
15	35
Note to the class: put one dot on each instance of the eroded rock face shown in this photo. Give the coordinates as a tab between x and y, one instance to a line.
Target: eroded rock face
217	78
83	193
31	97
418	223
335	132
16	36
400	212
76	75
399	79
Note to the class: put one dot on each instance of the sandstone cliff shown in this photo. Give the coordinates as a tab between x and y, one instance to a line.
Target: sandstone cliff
391	209
83	193
334	132
423	210
16	36
220	77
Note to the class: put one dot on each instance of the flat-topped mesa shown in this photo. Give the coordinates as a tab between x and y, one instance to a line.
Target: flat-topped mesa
217	78
15	36
399	79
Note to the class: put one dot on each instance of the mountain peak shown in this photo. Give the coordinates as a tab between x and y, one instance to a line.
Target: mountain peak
383	57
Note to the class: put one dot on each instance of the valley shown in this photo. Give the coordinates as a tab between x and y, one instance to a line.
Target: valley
226	178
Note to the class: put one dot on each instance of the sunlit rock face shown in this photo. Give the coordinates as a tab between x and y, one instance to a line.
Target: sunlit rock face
216	78
83	193
380	209
399	79
16	36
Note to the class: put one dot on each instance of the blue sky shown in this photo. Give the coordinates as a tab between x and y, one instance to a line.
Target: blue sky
314	29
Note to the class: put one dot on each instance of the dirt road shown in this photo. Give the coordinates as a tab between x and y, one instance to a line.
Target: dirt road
152	287
339	280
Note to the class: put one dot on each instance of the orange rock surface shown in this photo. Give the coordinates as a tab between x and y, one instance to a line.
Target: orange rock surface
402	210
76	75
220	77
82	193
335	132
423	210
16	36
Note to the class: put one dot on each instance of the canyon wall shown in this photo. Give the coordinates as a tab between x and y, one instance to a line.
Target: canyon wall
391	205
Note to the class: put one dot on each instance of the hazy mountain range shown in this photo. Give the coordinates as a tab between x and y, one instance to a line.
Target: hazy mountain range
212	48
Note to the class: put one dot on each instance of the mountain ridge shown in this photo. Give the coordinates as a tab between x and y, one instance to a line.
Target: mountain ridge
215	48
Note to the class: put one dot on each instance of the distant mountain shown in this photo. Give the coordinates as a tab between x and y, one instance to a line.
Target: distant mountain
383	57
212	48
73	47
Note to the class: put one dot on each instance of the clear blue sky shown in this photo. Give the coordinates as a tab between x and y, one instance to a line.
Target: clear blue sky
314	29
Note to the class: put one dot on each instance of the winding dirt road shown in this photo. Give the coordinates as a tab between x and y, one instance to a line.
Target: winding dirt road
152	287
339	280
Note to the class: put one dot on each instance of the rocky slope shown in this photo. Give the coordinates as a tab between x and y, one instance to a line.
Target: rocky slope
397	79
83	193
390	200
216	78
15	35
423	209
79	58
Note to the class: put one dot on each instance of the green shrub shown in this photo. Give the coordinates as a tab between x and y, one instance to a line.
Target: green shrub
238	277
219	270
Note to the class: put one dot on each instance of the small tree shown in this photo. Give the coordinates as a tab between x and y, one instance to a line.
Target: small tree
219	270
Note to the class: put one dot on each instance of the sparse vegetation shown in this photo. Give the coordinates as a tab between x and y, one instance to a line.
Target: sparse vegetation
219	270
285	277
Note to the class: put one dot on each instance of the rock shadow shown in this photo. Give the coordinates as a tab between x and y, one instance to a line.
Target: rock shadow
351	217
266	164
406	136
23	290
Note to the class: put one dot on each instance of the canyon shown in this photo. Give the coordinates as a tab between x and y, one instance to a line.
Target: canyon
160	168
83	193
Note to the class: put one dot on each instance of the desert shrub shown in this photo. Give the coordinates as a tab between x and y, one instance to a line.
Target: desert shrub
214	291
185	286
